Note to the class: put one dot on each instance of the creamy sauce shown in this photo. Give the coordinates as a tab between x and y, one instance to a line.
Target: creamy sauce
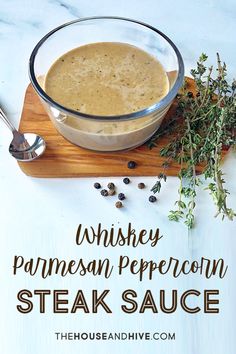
106	78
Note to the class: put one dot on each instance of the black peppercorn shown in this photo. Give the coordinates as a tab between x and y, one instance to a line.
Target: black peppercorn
104	192
152	199
179	111
126	180
97	185
141	185
121	196
111	185
119	205
131	164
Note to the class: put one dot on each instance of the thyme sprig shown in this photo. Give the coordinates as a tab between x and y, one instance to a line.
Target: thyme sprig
207	127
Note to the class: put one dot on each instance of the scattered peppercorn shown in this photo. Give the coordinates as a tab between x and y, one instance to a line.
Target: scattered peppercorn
111	185
131	164
104	192
111	192
121	196
97	185
141	185
152	199
222	104
126	180
119	205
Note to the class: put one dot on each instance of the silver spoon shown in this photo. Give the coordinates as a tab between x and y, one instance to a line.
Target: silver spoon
24	147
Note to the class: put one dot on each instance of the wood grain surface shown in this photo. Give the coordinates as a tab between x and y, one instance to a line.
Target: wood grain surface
63	159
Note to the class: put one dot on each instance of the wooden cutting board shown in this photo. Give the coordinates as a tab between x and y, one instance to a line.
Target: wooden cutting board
63	159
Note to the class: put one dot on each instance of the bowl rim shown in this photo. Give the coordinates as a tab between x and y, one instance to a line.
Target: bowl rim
164	102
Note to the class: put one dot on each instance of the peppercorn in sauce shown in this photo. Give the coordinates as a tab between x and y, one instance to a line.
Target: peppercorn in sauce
107	78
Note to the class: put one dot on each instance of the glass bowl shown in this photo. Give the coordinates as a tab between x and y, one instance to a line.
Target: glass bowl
106	133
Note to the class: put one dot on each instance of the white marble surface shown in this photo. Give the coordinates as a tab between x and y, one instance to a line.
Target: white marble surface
40	216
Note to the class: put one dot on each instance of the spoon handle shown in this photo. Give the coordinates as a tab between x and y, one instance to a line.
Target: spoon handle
6	121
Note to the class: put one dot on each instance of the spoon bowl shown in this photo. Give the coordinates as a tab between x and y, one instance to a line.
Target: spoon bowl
24	147
29	149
